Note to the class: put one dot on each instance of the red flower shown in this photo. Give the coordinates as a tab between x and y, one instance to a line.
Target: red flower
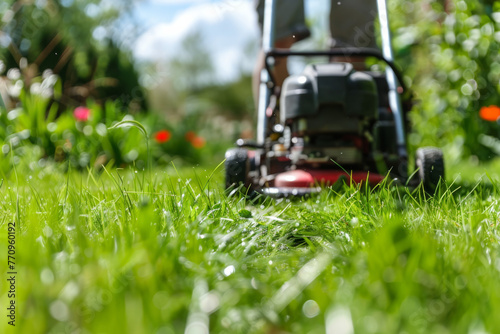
162	136
82	114
490	113
190	135
198	142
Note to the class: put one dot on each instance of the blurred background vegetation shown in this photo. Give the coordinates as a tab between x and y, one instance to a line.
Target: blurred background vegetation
58	55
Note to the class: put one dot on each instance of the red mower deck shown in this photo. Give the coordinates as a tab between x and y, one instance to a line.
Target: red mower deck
306	179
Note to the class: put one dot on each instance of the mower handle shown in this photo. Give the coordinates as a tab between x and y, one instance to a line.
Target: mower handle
346	52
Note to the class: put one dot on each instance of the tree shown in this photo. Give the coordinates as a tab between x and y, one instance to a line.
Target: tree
450	50
75	39
193	67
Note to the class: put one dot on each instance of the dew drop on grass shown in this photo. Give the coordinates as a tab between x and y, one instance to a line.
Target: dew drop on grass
46	276
229	270
348	238
253	282
47	231
310	308
196	327
209	302
70	291
59	310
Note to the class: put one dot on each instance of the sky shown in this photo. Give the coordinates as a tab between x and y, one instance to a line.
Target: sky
228	27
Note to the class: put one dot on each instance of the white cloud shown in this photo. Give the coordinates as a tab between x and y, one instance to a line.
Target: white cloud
228	26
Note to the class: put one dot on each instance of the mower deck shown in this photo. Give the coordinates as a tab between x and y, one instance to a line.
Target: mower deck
300	178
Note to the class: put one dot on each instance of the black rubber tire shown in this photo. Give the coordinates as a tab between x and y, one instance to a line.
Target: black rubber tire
429	163
237	167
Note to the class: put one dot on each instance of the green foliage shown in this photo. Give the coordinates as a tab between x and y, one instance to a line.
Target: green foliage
34	137
186	86
192	68
453	61
232	99
82	143
73	39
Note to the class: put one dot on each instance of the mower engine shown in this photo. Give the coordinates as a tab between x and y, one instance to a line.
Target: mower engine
327	112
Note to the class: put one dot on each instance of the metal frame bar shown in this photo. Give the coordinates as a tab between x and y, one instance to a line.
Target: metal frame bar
392	79
265	75
351	51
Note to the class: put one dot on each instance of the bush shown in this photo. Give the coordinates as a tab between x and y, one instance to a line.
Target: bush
83	138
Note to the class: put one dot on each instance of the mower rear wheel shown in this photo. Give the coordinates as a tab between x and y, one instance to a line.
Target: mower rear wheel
237	167
429	163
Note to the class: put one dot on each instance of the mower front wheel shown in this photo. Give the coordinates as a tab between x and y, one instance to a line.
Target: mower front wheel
429	163
237	166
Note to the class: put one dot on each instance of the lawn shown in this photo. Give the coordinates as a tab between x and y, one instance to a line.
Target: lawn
125	251
137	247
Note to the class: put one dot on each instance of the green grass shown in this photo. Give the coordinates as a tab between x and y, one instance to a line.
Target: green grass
126	252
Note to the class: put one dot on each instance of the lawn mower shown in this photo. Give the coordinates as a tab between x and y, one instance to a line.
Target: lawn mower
329	124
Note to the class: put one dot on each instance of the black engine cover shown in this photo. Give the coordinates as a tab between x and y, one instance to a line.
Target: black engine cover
331	95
